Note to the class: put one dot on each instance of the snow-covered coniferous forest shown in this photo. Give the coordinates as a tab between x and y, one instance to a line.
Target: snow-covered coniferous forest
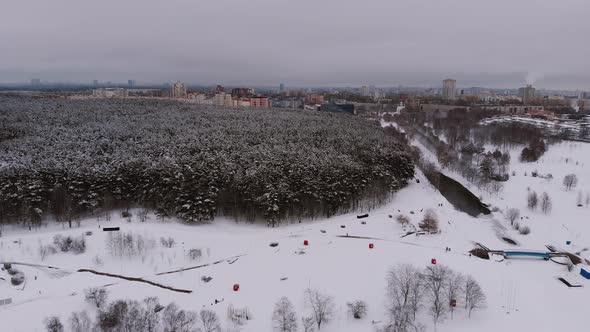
69	159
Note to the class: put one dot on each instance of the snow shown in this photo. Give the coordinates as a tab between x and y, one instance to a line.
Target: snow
522	294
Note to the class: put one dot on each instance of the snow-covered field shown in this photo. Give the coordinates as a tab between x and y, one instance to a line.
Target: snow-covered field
523	295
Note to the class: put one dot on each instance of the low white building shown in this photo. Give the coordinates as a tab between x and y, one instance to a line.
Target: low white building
110	93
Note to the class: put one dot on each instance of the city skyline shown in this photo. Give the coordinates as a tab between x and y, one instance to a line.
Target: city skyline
383	42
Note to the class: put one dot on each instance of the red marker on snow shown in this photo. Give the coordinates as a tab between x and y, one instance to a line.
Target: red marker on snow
305	243
236	287
371	246
433	261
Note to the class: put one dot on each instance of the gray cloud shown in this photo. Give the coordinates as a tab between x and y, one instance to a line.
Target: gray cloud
300	42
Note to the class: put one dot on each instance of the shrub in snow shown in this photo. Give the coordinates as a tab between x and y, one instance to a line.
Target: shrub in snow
402	219
430	221
97	261
46	250
68	243
143	215
524	230
18	278
126	214
358	309
195	254
167	242
7	266
284	317
53	324
96	296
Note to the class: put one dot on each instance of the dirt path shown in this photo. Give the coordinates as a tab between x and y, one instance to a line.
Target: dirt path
136	279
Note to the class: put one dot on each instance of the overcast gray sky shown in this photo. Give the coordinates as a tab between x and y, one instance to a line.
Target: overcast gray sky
298	42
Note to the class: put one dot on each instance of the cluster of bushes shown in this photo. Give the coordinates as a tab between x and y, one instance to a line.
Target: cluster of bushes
17	277
69	158
77	245
148	315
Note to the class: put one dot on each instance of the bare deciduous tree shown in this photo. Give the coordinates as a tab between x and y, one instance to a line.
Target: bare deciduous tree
53	324
209	321
512	215
435	282
358	309
430	221
454	289
474	296
404	292
150	315
80	322
284	317
545	203
532	200
570	181
308	324
322	306
175	320
96	296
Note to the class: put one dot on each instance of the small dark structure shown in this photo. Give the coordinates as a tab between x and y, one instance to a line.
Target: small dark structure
585	273
111	229
274	244
567	283
363	216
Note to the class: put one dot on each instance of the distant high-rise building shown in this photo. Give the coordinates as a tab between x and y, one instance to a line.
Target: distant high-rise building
131	84
178	90
281	88
95	83
527	94
449	89
36	82
365	90
219	89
